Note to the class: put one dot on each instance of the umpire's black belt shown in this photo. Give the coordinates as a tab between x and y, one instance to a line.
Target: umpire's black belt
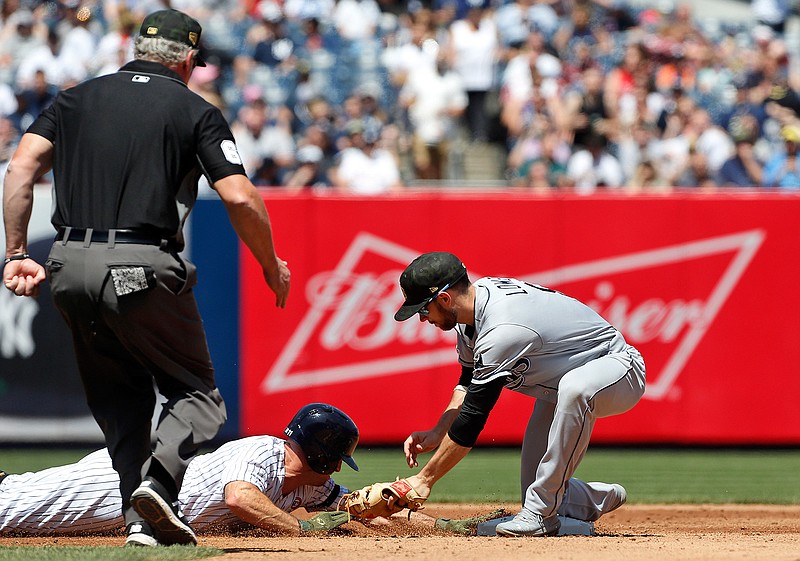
111	237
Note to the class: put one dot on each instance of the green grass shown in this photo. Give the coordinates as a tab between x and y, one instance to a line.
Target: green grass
19	460
105	553
492	475
649	475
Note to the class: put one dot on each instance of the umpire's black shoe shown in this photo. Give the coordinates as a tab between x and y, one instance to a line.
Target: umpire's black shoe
140	534
152	502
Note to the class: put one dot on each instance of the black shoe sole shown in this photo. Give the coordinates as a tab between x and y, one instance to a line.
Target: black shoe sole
168	527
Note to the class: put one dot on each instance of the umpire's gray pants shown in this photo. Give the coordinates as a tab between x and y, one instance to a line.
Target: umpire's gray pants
558	434
125	342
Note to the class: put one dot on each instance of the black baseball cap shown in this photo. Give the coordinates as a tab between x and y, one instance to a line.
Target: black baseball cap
425	277
175	26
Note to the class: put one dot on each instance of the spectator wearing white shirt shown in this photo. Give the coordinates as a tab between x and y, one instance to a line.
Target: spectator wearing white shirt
299	10
80	35
713	142
421	50
472	50
61	68
115	48
21	35
8	100
364	168
356	20
773	13
594	167
516	19
263	133
435	99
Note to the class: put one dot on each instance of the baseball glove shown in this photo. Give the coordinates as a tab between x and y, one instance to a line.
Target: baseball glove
467	526
382	499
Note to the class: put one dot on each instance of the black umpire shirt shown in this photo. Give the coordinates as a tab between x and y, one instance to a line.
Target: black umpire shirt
130	147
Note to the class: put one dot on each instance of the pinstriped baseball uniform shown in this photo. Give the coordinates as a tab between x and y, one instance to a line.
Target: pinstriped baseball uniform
84	497
544	344
258	460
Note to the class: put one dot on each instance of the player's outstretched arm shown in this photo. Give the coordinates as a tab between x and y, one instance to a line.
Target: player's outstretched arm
420	442
444	459
248	503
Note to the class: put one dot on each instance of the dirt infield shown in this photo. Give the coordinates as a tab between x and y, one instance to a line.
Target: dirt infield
634	532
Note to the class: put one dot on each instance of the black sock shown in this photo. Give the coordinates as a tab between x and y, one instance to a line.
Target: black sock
157	472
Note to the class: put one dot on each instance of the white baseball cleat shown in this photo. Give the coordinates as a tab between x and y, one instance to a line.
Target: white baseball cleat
140	534
617	499
529	524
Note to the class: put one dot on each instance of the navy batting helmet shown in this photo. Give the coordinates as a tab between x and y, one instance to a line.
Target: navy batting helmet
326	435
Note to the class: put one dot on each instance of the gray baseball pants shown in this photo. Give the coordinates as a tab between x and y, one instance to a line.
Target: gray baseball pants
558	434
134	321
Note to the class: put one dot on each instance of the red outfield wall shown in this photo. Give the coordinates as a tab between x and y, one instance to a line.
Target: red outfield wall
704	285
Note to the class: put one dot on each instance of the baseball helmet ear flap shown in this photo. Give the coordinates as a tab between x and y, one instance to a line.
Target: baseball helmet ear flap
326	435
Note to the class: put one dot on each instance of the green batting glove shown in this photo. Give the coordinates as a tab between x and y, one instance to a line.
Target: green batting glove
467	526
324	521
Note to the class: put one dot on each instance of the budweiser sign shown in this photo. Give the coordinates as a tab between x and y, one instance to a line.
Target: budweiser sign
349	325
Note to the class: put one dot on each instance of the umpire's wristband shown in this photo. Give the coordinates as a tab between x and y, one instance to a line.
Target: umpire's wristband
17	257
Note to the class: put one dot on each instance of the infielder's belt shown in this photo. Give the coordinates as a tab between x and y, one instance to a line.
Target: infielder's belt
120	235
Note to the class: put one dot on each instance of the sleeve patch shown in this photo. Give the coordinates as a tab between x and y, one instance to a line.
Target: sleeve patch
230	152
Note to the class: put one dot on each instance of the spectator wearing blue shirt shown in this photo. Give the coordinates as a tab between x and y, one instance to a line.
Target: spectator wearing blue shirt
743	169
783	169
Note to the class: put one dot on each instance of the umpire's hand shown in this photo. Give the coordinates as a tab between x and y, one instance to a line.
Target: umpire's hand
279	280
23	277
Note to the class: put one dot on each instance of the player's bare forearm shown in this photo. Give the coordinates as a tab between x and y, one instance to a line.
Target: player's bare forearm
247	503
250	219
451	412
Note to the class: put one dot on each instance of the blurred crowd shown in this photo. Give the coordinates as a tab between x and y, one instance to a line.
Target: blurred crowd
371	96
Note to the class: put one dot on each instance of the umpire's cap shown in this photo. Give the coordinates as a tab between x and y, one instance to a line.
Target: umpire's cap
425	278
175	26
326	435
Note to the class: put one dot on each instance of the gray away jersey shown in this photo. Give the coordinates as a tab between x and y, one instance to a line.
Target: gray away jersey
531	334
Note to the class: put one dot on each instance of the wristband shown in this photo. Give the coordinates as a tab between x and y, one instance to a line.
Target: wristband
17	257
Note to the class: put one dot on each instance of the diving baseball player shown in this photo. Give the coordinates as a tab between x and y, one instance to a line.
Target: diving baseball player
541	343
253	481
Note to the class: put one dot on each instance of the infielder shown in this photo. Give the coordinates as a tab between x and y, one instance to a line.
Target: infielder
254	481
541	343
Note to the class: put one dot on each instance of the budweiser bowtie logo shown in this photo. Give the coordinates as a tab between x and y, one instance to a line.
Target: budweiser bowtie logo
351	310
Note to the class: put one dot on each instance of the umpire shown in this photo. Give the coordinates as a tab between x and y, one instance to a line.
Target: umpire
127	151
